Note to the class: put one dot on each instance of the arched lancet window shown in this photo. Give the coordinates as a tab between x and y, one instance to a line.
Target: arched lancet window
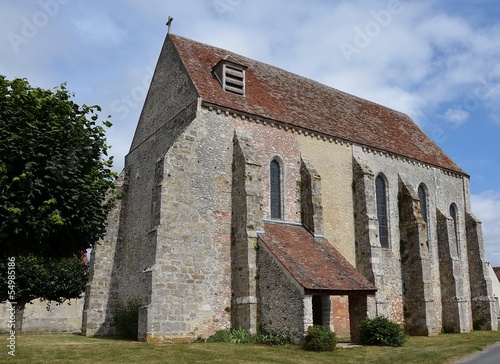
382	214
454	215
424	210
275	186
422	195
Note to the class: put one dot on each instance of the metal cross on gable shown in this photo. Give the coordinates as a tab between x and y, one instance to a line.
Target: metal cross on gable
169	23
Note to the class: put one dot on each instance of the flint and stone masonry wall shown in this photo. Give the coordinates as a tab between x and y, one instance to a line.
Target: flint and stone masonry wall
246	222
418	300
310	197
191	276
482	298
282	299
101	291
445	283
368	250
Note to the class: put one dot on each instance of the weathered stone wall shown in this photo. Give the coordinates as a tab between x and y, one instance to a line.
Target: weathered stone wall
102	289
455	302
191	288
484	310
190	280
340	315
126	254
443	190
282	298
358	310
369	259
418	300
169	108
245	222
170	92
37	319
332	160
310	198
270	142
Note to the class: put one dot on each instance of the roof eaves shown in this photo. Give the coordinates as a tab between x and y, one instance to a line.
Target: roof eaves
286	125
324	292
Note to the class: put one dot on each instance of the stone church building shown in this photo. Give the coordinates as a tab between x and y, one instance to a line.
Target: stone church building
259	199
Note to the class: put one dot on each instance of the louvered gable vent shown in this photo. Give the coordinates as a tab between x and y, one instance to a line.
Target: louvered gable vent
231	76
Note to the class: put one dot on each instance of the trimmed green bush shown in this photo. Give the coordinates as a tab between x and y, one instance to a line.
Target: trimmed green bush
126	318
382	332
320	338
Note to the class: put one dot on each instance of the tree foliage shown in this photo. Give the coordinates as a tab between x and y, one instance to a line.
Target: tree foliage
54	172
52	279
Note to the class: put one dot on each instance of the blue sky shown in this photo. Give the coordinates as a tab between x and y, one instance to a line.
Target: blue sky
437	61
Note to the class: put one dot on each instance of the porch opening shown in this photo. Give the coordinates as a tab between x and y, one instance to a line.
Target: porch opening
317	306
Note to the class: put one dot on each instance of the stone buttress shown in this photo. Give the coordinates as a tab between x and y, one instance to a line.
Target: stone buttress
482	300
418	300
246	222
454	298
368	249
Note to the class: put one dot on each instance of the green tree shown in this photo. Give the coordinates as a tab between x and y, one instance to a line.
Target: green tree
28	277
54	172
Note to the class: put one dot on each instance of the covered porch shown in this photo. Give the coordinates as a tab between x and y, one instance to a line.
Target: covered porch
299	274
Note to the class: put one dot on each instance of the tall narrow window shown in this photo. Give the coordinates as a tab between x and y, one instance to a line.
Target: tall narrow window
275	182
422	195
424	210
455	245
382	215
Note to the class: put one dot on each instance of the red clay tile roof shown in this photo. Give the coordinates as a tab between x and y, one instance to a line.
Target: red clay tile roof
285	97
314	263
497	272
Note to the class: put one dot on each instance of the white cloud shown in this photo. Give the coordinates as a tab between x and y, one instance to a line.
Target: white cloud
456	116
98	30
486	206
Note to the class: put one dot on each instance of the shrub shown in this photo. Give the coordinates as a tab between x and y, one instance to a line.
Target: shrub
320	338
221	336
126	318
381	331
241	336
273	339
237	336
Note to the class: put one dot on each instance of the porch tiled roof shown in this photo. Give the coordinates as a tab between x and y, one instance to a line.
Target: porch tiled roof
314	263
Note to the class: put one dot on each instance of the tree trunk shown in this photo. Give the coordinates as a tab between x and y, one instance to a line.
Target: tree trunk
19	317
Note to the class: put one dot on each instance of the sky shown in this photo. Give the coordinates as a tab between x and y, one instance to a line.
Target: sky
437	61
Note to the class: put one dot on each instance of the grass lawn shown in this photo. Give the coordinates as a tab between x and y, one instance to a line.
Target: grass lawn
57	348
